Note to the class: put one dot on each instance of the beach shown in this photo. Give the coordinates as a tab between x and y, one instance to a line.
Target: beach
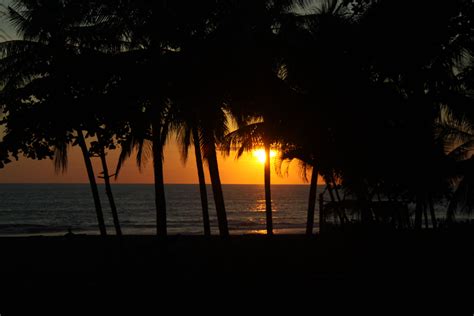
396	266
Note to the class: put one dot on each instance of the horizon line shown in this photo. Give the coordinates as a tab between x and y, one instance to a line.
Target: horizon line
150	183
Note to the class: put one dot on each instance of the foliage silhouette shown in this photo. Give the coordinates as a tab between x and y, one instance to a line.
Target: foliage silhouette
376	103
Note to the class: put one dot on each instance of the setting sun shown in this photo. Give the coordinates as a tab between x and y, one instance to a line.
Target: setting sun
260	154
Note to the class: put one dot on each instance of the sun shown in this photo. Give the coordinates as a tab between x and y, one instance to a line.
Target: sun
260	155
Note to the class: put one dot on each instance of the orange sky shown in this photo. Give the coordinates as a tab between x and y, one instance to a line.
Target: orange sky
246	170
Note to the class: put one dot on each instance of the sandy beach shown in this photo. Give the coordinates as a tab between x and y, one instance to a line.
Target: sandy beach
346	265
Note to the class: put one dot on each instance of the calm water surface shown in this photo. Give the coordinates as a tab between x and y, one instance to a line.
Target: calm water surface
30	209
52	208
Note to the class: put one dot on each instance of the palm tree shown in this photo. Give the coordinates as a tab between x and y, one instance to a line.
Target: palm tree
205	125
40	59
148	139
199	115
90	173
98	149
313	67
150	55
158	137
257	96
202	181
458	139
290	152
331	69
212	130
422	62
188	132
247	138
159	33
108	191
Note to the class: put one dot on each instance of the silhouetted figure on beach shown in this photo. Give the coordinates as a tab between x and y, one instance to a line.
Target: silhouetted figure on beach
69	232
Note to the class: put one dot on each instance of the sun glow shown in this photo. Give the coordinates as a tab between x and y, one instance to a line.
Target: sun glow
260	154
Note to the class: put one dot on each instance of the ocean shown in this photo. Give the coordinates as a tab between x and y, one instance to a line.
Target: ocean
50	209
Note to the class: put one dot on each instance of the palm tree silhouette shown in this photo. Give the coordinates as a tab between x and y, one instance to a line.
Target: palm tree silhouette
289	152
98	148
50	33
199	112
458	139
314	65
148	139
422	61
150	55
210	135
246	139
363	111
158	54
257	94
188	132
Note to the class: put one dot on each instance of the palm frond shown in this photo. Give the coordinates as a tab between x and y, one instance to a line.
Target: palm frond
244	139
16	47
127	148
61	157
183	138
291	153
462	151
455	133
18	21
463	197
144	152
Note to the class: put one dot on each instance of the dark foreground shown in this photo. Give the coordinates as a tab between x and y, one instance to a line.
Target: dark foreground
429	269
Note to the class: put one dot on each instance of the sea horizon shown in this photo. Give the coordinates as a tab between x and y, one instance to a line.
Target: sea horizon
30	209
148	183
53	208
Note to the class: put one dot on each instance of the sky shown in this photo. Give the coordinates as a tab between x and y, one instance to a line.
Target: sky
247	170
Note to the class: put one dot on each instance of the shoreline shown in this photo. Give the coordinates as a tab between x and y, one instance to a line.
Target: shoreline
151	232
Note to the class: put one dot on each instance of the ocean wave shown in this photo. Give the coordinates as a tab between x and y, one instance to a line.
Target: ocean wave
30	229
52	209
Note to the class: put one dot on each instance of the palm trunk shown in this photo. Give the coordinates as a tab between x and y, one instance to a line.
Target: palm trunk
312	202
418	212
331	194
93	183
268	192
342	210
160	199
434	222
450	214
202	183
337	209
378	197
108	191
425	214
336	190
333	200
217	192
322	219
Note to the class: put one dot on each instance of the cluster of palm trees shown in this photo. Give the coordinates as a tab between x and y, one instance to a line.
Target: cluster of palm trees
360	92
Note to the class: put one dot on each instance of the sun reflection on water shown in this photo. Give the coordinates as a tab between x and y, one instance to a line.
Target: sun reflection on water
259	207
258	231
